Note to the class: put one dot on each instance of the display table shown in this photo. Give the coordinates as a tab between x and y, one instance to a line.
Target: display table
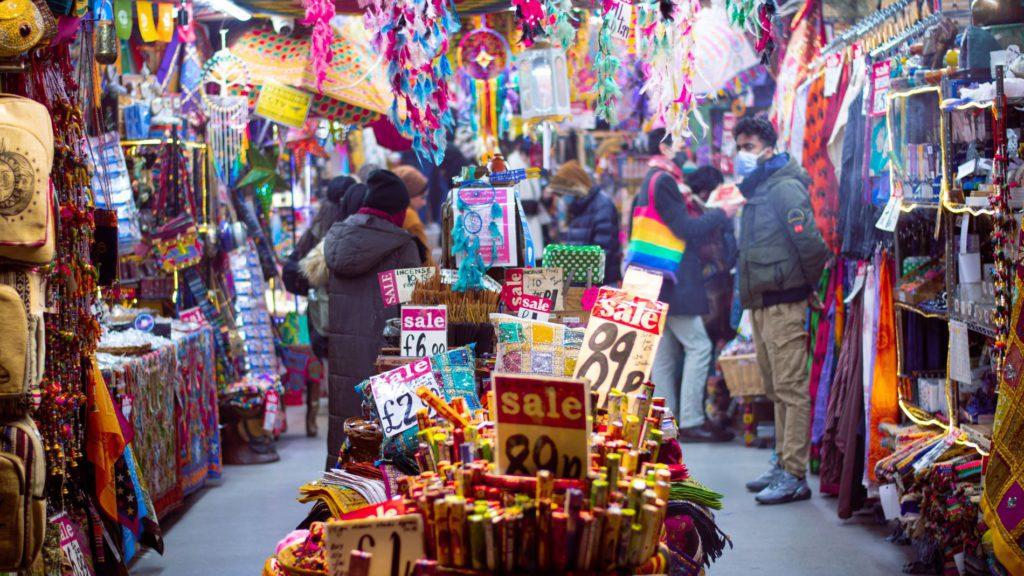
169	399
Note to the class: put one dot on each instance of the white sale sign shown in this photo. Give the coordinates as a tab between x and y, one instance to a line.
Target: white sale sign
424	330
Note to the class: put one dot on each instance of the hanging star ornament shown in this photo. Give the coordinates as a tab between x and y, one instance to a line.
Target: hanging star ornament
262	172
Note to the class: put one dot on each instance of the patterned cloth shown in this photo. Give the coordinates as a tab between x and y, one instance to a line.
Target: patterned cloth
530	347
824	187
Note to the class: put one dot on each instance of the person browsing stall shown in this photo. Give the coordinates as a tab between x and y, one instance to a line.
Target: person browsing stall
782	257
417	185
593	219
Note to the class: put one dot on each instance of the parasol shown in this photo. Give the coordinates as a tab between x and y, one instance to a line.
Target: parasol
295	7
355	91
720	51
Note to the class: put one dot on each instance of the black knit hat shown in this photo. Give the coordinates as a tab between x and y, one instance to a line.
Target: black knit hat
337	187
387	193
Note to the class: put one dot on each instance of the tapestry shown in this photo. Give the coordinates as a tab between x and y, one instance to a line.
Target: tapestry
885	407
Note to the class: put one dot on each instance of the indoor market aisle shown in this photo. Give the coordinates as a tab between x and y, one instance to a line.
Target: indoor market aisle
231	529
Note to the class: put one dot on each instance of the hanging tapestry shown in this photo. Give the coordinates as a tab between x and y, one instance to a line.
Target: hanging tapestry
885	407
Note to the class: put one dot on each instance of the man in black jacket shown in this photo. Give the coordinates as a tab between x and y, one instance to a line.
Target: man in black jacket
685	340
782	257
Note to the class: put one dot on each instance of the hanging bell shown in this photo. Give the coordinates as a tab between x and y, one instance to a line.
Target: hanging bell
105	42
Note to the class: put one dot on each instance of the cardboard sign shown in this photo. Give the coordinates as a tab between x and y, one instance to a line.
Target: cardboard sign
283	104
396	286
388	509
546	283
512	291
619	344
541	424
475	208
620	17
394	543
536	308
424	330
394	394
73	546
642	283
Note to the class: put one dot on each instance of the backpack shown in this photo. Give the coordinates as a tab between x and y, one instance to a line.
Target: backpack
22	495
27	219
22	341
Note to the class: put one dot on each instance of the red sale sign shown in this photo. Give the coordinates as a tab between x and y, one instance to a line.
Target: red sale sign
536	308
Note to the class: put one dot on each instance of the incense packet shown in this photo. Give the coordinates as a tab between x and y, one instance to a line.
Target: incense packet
457	527
491	541
652	531
636	544
442	531
615	400
442	408
612	462
598	494
559	542
586	526
477	542
625	528
425	567
610	538
635	497
631	430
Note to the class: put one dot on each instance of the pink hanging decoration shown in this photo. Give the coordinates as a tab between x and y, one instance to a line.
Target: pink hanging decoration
319	14
666	44
530	14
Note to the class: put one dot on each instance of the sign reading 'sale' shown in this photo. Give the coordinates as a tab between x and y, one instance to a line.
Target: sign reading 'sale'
619	344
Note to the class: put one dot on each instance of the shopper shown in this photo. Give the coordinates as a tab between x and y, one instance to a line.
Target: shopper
416	184
335	206
356	250
717	256
593	219
685	340
782	256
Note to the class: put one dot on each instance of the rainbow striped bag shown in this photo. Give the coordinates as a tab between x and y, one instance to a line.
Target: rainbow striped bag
652	245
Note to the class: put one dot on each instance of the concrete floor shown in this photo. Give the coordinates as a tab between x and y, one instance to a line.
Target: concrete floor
230	529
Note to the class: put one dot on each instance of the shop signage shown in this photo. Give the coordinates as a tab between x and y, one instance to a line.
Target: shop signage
546	283
541	424
395	544
512	291
283	104
476	210
394	394
880	81
74	546
619	344
620	18
535	308
396	286
424	330
388	509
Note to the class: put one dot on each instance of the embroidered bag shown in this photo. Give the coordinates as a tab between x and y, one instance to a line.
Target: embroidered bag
652	245
22	495
27	232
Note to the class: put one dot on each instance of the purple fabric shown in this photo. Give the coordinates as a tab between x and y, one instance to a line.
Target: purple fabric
824	384
168	60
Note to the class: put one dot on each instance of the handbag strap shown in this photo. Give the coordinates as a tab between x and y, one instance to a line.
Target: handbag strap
652	185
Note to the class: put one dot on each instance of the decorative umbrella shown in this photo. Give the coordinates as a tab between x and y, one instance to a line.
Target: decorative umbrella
295	8
720	51
355	91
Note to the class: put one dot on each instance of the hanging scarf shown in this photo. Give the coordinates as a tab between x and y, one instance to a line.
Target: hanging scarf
885	407
396	219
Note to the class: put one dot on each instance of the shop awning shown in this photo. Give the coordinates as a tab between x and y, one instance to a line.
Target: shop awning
355	91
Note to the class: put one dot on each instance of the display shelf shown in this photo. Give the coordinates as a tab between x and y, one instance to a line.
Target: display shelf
979	434
983	328
921	311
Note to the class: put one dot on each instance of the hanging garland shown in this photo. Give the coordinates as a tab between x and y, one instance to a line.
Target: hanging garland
413	36
558	22
607	66
1001	235
319	14
530	15
666	44
755	17
740	12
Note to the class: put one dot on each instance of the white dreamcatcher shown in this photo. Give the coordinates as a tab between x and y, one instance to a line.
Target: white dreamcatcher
227	110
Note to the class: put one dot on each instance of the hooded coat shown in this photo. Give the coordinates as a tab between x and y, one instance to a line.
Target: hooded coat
356	250
594	220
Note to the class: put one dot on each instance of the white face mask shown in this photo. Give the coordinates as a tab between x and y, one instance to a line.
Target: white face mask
746	162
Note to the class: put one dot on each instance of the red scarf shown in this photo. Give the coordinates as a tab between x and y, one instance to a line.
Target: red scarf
396	219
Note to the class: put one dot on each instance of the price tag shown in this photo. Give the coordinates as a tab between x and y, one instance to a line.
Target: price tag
388	509
270	410
620	17
394	394
619	344
535	308
541	424
959	353
546	283
890	215
833	72
193	316
395	544
512	291
640	282
396	286
424	330
881	82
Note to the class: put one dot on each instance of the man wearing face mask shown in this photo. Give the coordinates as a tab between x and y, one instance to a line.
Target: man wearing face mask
782	257
685	341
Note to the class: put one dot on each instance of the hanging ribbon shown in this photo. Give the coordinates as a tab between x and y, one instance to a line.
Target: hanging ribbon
319	14
147	29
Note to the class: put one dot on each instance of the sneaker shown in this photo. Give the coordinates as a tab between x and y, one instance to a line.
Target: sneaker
705	433
764	480
786	488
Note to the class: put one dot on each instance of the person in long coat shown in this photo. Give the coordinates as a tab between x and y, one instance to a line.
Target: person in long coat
356	250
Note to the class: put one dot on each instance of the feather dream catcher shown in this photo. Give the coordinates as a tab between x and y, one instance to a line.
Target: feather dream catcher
666	44
227	109
483	58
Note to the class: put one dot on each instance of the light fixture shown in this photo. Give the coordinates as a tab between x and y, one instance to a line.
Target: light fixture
543	82
231	9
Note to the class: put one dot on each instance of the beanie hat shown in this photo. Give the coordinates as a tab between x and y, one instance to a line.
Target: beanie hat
386	193
337	187
415	181
572	176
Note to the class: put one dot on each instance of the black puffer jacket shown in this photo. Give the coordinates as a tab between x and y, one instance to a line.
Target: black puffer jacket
356	250
594	221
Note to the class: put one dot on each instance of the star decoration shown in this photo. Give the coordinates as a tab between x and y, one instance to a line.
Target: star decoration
484	58
262	171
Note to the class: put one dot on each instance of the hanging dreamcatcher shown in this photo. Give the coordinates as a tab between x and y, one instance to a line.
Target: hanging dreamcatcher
227	109
483	58
666	44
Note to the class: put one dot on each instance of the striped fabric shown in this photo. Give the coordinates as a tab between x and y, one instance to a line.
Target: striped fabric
652	245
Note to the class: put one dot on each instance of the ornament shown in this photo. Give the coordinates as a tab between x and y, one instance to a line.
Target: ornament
530	15
228	109
667	45
607	65
558	23
319	14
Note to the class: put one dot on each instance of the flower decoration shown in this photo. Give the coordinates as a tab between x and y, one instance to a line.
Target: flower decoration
413	36
666	43
558	22
530	15
319	14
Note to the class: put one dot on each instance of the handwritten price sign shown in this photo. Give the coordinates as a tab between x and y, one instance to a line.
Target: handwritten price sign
394	543
394	394
541	424
396	286
620	341
546	283
535	308
424	330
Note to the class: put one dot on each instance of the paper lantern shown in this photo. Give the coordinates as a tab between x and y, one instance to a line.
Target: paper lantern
543	82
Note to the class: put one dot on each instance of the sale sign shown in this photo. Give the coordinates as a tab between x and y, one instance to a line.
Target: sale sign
535	308
396	286
546	283
424	330
512	291
541	423
619	344
394	544
394	395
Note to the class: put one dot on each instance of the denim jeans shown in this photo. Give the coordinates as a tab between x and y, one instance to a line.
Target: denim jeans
685	342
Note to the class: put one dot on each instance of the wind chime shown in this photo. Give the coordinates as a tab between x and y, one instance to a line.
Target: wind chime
483	59
227	109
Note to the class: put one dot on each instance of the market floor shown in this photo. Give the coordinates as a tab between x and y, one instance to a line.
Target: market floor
230	529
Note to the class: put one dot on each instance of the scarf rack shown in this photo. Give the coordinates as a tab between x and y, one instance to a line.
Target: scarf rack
866	26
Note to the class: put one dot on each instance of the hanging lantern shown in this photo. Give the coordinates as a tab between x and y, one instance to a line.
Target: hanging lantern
105	42
543	82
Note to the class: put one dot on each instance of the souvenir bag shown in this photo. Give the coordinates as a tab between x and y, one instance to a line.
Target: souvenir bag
652	245
22	495
582	264
23	353
27	226
176	244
